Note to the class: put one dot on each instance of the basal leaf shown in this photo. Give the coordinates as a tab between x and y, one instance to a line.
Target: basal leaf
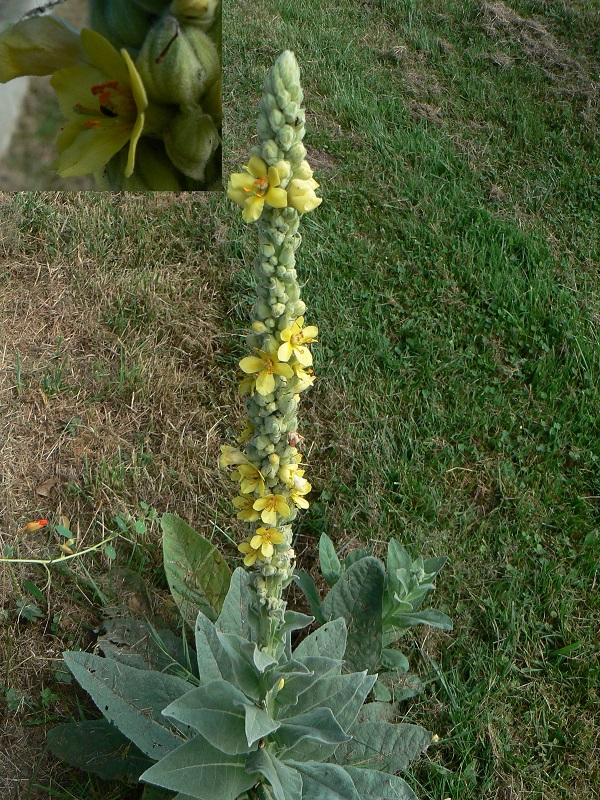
395	661
97	746
197	574
383	746
378	712
202	772
328	640
329	563
324	781
428	617
355	555
373	785
357	597
285	781
132	699
216	710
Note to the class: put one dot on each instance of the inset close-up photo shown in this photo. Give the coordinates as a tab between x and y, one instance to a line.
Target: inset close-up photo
117	95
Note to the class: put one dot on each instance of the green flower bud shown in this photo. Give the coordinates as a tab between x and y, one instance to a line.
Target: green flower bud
278	309
197	12
212	101
191	140
154	6
124	24
152	172
178	62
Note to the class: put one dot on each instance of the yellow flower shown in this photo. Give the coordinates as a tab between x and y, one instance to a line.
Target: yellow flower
250	478
301	189
287	471
38	46
270	506
104	102
304	379
245	503
252	553
246	432
294	338
229	456
297	495
264	539
264	366
255	187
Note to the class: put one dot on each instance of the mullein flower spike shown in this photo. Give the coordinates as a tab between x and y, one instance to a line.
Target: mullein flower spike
275	188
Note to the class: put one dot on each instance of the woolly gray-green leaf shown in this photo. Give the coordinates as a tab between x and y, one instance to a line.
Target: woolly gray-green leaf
357	597
329	563
197	573
97	746
318	725
383	746
378	712
343	694
219	657
216	710
324	781
394	660
373	785
237	614
328	640
397	558
201	771
309	587
132	699
285	782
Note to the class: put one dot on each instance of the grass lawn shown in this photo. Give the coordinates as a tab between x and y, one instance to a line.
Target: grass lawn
452	270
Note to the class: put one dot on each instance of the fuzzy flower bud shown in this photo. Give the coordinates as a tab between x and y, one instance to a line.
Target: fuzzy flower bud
178	62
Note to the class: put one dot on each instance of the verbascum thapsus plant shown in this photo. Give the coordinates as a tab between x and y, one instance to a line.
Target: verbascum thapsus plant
141	90
275	189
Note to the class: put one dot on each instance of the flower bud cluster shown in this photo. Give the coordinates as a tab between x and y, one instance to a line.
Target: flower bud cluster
176	49
269	471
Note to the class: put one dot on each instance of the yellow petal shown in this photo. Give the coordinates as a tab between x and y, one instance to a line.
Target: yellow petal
310	332
257	167
267	549
251	364
304	356
104	56
89	151
265	383
253	209
277	198
285	351
273	177
39	46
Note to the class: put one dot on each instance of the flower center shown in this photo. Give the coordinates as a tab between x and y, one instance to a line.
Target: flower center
114	104
262	186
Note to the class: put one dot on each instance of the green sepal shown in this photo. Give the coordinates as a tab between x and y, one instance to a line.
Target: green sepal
357	597
197	574
132	699
97	746
201	771
285	782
